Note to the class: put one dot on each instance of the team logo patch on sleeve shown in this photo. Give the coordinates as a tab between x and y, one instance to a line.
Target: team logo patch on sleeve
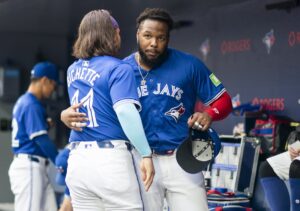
214	80
176	112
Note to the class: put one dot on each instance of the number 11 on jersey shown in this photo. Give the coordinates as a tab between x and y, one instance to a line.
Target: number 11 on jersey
88	104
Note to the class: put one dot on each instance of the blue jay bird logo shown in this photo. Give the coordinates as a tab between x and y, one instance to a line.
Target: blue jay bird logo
205	49
176	112
269	40
236	101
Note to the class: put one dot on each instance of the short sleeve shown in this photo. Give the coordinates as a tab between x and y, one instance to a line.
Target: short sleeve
35	121
123	86
208	86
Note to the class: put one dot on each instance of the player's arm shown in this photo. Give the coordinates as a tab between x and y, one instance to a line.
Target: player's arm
132	126
217	110
36	128
47	146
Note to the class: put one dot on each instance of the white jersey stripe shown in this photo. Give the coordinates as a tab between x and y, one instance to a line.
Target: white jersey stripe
41	132
216	97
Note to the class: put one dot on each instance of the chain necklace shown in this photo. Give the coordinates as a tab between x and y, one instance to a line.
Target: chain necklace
143	81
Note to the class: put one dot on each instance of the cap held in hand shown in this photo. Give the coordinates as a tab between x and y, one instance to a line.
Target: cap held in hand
198	150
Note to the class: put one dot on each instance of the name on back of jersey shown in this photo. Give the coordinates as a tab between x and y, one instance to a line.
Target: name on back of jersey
169	90
82	73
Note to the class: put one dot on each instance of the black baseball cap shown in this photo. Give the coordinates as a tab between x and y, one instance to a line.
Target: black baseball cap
198	150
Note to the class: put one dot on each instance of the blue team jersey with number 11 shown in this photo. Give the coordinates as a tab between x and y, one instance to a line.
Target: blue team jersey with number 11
101	83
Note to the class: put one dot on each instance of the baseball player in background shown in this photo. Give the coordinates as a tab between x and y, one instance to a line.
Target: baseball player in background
31	144
61	163
101	174
280	169
169	82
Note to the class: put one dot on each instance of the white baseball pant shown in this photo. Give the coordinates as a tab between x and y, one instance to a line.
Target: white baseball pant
31	185
103	178
281	164
183	191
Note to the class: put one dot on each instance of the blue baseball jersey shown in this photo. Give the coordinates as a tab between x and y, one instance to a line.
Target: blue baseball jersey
169	95
100	84
29	121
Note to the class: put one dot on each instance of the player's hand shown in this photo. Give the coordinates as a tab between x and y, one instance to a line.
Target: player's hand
72	118
50	122
147	172
293	153
200	118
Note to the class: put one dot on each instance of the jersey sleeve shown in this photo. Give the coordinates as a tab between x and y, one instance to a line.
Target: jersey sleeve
208	86
35	121
123	86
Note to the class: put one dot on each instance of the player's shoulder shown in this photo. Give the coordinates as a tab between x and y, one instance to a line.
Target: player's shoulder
26	102
130	59
73	65
184	60
111	63
28	99
178	55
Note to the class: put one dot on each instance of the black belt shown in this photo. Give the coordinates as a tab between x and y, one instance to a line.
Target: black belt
163	152
33	158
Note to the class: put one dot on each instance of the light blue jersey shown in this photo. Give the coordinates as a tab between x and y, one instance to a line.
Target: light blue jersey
101	83
169	95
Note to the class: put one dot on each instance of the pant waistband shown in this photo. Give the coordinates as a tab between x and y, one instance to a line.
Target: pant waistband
108	144
164	152
34	158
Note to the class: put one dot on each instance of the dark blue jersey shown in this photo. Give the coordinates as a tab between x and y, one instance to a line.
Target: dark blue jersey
29	121
101	83
169	95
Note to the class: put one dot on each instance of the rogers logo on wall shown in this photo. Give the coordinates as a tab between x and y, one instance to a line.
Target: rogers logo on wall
293	38
233	46
270	104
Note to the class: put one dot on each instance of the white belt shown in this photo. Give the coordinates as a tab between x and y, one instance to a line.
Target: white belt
108	144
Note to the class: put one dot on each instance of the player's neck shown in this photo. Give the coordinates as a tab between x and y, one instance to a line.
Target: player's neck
141	63
35	89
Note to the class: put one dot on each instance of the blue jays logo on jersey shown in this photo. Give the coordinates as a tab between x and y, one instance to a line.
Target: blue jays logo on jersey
269	40
176	112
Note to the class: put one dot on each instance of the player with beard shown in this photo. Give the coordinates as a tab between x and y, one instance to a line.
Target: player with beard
169	82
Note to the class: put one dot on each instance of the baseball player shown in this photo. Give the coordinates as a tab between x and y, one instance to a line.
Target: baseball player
31	144
278	169
101	174
61	163
169	82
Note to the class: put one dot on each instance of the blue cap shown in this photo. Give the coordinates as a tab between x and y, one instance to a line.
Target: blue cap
61	163
45	69
196	152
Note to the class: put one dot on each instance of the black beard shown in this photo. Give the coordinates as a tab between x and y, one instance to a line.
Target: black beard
153	62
